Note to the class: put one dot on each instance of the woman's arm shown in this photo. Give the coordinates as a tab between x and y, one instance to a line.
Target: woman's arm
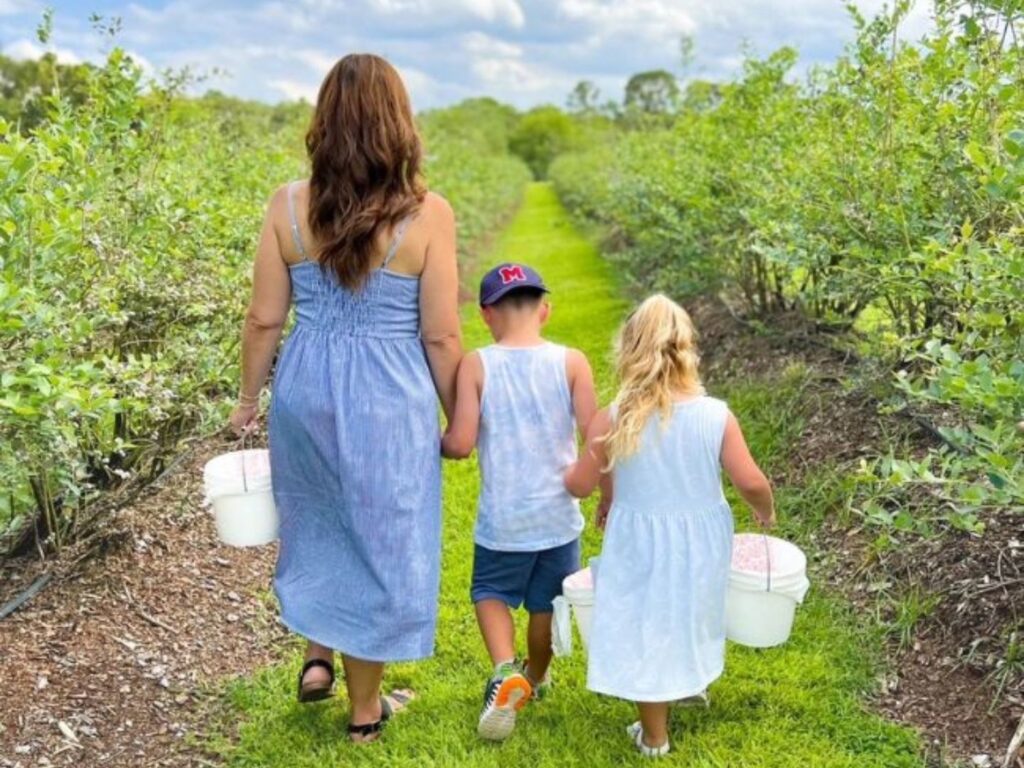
748	478
264	320
460	438
439	304
584	476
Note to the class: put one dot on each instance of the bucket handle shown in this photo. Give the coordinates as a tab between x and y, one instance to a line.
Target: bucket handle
768	558
243	440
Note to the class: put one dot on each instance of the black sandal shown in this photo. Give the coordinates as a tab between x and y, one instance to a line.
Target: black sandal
362	734
310	694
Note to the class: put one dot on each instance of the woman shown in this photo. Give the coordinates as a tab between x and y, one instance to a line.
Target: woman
369	257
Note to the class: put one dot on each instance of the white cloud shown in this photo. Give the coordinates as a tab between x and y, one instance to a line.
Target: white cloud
502	68
521	51
654	20
25	49
15	7
478	43
293	90
493	11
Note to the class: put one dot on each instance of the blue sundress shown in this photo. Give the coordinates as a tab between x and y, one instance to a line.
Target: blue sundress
356	465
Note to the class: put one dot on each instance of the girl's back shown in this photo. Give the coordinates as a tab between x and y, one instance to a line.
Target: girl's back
678	464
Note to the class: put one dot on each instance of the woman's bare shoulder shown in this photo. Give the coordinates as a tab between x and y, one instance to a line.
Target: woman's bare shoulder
435	204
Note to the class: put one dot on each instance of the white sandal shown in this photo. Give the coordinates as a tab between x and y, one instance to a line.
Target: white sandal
636	733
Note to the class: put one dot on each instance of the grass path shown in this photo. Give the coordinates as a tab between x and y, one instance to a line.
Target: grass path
797	706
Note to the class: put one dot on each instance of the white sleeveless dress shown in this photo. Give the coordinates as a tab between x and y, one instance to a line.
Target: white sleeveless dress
659	605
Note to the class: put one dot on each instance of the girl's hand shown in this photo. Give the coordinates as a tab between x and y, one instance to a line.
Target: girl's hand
765	521
243	419
604	506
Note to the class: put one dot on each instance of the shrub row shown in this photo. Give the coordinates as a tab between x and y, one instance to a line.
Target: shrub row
127	228
881	198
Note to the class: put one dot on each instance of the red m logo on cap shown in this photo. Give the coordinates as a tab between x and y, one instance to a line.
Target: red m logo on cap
513	274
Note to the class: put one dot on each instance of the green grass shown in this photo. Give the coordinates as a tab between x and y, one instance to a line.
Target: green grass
799	705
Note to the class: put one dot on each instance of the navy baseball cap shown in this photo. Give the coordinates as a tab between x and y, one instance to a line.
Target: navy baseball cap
508	277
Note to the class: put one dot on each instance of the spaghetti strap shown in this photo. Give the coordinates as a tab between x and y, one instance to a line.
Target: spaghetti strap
396	240
296	237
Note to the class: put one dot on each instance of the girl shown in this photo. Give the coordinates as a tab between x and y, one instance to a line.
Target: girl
659	616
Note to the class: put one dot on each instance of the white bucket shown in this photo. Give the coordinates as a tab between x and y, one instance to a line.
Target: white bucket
238	486
578	591
767	580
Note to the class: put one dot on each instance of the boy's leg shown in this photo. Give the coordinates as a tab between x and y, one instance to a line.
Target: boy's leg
498	629
538	637
552	566
499	581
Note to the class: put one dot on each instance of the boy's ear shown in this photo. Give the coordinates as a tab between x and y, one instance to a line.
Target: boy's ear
545	311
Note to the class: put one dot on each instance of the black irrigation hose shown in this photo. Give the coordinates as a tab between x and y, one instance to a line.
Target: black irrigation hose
34	589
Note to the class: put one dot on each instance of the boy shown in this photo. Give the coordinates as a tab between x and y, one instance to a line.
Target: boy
524	398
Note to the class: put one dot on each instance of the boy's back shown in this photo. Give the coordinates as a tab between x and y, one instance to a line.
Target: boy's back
527	439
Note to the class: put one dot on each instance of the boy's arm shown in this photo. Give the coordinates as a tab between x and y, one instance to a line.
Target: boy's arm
460	437
745	474
583	477
581	389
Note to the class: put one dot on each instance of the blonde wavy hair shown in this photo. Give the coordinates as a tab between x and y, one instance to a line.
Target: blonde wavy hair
657	360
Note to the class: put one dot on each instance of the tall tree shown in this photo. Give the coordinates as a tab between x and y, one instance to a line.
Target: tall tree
653	92
584	99
542	134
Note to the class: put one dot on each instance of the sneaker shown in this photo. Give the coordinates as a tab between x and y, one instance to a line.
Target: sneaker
506	693
540	689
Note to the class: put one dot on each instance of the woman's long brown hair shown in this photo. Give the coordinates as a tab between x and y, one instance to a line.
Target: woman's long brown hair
366	154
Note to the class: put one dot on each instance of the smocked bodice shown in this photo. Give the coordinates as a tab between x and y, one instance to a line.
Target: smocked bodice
386	306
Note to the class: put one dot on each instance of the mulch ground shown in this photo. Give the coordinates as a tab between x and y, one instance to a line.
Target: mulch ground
108	665
944	681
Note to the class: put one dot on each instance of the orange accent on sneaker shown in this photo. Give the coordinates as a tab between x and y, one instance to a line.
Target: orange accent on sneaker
510	684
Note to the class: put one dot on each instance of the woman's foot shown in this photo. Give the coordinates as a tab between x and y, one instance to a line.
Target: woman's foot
390	705
636	733
316	680
505	694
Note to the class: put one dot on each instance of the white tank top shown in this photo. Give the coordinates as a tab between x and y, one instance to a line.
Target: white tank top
527	440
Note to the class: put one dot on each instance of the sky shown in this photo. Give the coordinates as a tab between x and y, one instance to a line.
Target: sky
524	52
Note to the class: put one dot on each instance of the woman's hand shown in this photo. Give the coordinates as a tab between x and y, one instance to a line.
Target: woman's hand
243	419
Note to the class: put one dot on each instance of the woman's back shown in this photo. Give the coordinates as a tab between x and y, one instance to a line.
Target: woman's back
385	306
677	466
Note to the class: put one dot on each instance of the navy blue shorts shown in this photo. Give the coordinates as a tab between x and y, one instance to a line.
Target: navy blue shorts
518	578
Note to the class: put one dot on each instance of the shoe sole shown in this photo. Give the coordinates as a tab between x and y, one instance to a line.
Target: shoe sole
498	722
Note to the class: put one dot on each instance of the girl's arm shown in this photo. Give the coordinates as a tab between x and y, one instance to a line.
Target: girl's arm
581	388
748	478
584	476
604	504
460	437
265	318
439	303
